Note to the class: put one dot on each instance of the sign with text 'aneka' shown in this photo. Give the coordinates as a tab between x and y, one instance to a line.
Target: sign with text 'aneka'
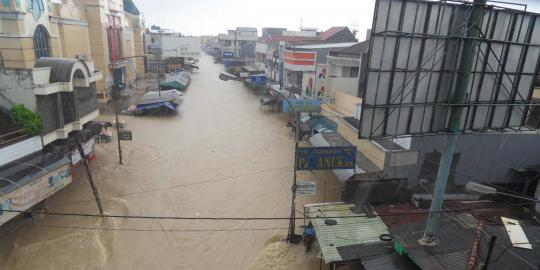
326	158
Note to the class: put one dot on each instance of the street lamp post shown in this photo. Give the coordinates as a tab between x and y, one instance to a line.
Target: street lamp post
292	237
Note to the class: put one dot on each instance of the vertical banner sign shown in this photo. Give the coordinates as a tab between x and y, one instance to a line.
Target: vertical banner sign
326	158
281	62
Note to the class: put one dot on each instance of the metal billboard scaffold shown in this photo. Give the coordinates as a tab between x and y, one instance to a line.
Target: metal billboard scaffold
448	67
415	62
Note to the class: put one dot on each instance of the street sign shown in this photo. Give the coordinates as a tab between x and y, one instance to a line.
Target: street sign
259	79
306	188
125	135
326	158
303	105
228	55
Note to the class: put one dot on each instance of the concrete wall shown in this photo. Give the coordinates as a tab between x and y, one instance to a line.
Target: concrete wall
16	87
345	103
488	158
85	100
50	112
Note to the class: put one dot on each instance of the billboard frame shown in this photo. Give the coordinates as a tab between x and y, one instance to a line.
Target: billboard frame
524	24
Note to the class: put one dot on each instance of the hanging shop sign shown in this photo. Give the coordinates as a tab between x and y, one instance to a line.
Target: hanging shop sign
228	55
259	79
306	188
125	135
88	147
326	158
303	105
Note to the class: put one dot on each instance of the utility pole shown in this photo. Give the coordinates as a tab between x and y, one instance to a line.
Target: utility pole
117	87
159	61
459	97
292	237
89	176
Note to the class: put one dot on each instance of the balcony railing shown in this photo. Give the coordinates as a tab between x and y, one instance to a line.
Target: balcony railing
12	137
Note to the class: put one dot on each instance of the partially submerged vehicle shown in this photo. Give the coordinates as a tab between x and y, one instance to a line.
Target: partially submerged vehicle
158	101
178	81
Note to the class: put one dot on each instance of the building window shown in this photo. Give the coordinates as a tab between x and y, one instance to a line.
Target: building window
354	72
119	42
42	44
114	38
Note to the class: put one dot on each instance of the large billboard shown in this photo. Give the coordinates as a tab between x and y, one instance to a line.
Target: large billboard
413	66
175	46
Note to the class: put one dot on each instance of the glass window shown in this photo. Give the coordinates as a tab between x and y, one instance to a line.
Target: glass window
42	45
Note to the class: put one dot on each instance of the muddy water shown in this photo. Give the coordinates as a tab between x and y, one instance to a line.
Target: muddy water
221	156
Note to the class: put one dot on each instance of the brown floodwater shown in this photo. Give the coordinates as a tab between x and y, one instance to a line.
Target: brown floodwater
220	156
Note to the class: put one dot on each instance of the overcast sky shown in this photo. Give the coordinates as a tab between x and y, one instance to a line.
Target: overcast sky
204	17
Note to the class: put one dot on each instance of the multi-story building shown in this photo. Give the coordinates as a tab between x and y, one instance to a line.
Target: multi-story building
170	49
241	42
56	59
109	33
305	54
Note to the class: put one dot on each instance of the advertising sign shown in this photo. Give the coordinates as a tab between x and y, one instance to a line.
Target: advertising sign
326	158
126	135
228	55
303	105
175	46
34	192
306	188
259	79
88	147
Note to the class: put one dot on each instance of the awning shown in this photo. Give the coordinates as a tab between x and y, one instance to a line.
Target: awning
335	139
337	240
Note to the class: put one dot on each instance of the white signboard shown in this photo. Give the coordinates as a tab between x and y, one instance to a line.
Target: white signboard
34	192
175	46
306	188
88	147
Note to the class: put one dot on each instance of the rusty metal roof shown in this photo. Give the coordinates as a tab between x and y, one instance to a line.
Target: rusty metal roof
348	232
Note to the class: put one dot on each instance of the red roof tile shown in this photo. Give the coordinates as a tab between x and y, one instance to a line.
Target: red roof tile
332	31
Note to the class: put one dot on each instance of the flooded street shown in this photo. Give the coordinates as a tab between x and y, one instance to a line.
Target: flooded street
220	156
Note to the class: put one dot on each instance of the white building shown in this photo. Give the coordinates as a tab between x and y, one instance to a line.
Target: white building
240	41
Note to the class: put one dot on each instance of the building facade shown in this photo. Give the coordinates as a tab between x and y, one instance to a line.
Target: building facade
108	33
240	41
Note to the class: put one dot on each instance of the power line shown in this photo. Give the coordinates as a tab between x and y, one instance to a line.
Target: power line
405	213
153	230
180	185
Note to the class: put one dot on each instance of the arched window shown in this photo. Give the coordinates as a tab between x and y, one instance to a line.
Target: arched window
114	36
42	44
110	39
119	40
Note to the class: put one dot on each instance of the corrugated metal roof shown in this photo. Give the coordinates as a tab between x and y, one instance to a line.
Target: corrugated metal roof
347	232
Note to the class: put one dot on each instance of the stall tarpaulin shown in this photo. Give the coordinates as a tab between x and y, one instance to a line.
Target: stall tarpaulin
34	192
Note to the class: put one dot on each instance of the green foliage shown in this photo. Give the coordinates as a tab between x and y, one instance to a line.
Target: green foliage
25	118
